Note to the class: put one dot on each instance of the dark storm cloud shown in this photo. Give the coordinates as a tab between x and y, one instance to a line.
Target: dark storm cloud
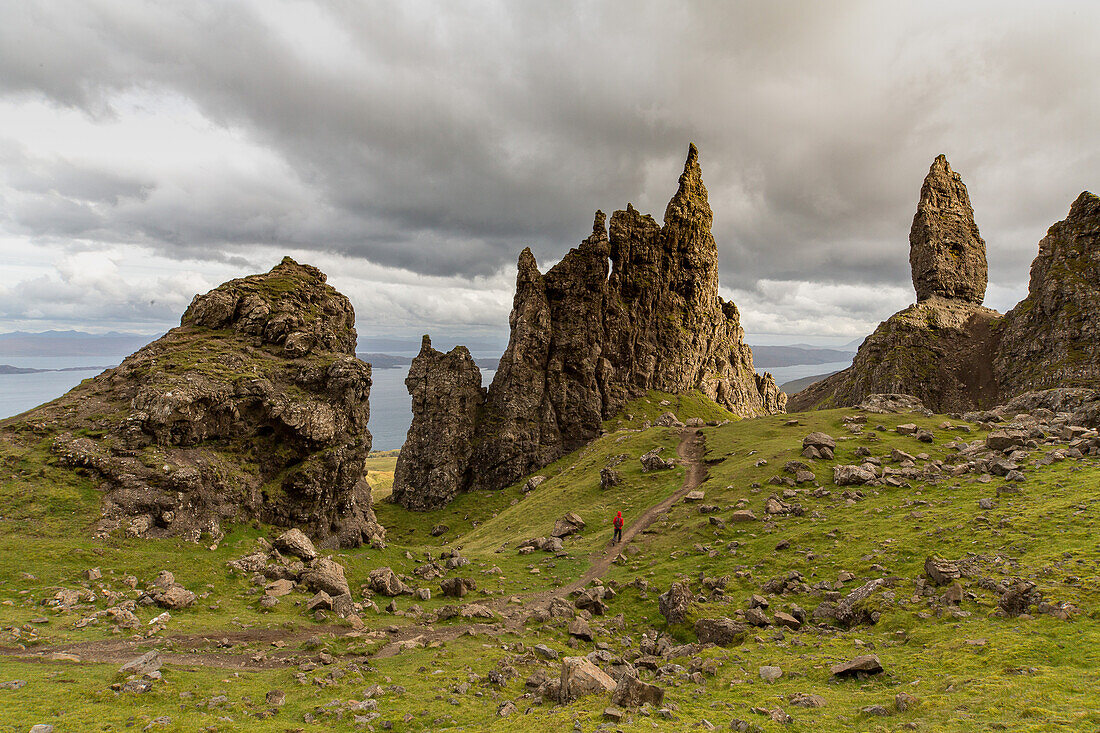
443	137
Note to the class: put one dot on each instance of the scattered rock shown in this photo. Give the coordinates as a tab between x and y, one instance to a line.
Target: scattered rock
609	477
652	461
770	674
143	665
863	664
821	445
721	631
578	628
568	525
324	574
279	588
630	692
852	475
580	677
295	542
1018	598
675	604
804	700
384	581
903	701
941	571
456	587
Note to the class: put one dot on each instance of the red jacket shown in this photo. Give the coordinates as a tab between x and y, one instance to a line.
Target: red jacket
618	522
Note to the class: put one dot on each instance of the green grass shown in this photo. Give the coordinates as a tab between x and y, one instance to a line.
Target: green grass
970	671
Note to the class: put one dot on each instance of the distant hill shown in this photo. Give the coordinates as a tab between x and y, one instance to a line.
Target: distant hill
769	357
72	343
389	361
9	369
385	361
797	385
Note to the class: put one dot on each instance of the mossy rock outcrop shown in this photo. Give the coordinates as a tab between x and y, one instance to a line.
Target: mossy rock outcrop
255	407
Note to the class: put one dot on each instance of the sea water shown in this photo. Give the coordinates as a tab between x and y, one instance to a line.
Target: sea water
390	403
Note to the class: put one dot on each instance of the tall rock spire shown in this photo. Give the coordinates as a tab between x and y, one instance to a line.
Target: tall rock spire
634	307
946	251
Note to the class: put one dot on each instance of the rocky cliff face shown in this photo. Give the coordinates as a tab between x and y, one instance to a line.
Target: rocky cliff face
938	349
946	252
446	397
255	407
954	354
1052	337
634	307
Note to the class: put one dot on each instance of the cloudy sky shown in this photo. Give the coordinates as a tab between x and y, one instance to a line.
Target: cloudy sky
149	151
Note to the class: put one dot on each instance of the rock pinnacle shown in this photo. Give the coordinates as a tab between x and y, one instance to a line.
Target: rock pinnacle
946	251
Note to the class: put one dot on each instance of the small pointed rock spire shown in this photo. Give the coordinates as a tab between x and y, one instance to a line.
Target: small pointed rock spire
690	202
946	251
599	223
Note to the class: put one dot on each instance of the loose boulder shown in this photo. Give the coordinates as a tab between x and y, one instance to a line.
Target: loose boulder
456	587
568	525
630	692
327	575
295	542
940	571
385	582
675	603
580	678
720	631
652	461
863	664
852	475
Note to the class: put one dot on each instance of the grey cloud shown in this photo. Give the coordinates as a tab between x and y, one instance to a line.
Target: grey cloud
444	137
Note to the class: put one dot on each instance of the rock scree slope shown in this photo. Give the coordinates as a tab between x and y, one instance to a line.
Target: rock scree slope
255	407
634	307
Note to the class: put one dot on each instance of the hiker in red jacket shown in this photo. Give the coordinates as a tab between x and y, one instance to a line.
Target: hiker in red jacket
618	524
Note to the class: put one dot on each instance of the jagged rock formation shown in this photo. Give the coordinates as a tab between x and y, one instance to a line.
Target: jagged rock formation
937	349
634	307
255	407
1052	337
953	354
446	396
946	252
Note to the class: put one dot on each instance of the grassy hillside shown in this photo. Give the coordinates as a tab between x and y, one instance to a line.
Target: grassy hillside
967	667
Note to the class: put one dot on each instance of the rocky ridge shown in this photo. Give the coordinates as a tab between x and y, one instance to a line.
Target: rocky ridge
634	307
949	351
1052	337
255	407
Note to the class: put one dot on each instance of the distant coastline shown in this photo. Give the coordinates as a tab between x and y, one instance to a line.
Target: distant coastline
9	369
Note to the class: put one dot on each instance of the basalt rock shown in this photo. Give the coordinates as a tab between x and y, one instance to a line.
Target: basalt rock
955	355
255	407
634	307
946	252
937	350
446	396
1052	337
